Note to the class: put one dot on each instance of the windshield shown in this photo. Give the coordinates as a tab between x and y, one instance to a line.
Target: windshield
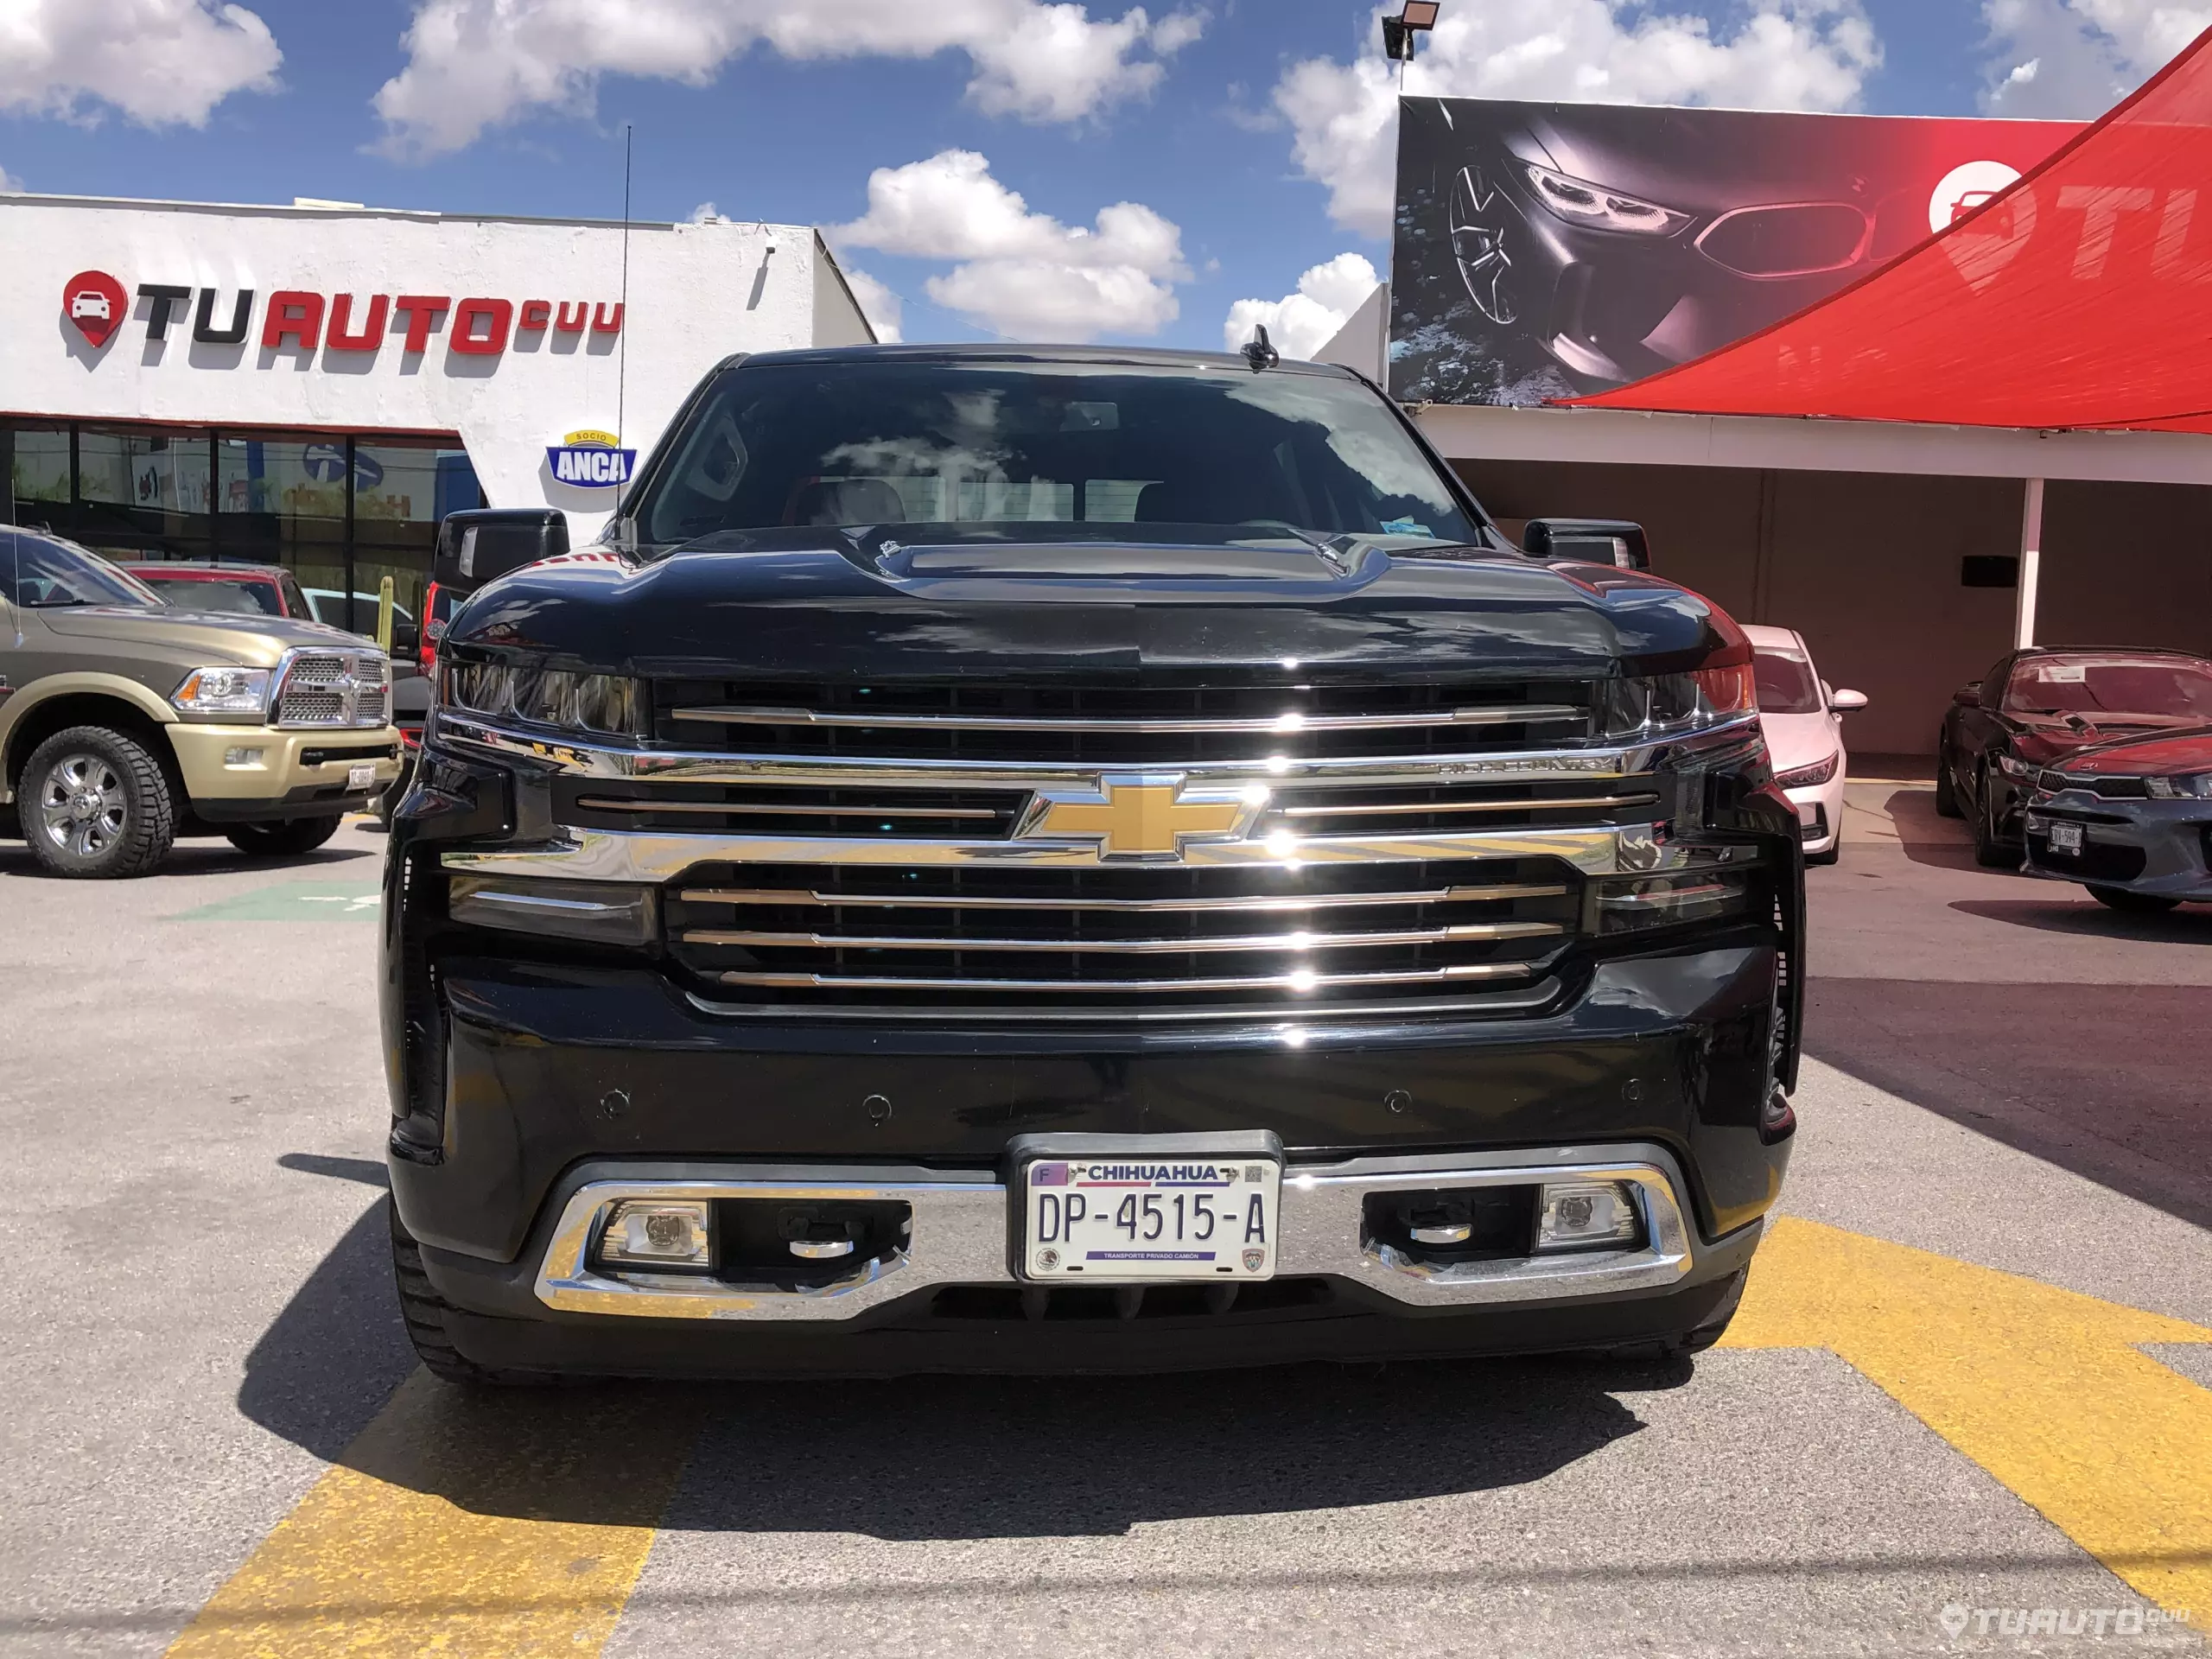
1786	682
50	572
981	451
252	598
2166	687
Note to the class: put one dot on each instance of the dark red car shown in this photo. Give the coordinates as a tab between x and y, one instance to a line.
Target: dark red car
224	585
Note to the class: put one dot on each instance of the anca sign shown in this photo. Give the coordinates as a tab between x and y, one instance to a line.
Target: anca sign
590	460
296	320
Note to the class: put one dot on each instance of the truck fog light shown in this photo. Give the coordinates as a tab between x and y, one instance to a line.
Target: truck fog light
648	1233
243	757
1577	1215
596	913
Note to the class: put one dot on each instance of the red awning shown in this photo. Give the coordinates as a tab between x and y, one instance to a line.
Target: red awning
2079	297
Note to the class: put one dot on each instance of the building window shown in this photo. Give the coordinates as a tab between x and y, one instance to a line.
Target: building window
340	512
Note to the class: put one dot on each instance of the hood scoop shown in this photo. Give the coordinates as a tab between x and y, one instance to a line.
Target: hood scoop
1160	571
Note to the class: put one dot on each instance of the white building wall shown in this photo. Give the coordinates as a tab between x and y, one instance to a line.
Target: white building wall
697	293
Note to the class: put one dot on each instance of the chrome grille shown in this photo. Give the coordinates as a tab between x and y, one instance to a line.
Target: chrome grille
1135	726
333	689
1193	938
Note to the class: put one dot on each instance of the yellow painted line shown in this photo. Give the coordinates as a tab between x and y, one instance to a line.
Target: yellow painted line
513	1525
2044	1387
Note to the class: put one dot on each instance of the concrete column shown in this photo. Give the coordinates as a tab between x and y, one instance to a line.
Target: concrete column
2023	607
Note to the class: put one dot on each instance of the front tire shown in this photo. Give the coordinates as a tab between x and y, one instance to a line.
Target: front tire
424	1312
2132	904
1990	850
1833	853
286	839
96	805
1947	792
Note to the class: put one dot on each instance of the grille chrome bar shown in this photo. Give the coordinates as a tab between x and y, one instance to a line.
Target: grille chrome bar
1443	934
1156	906
1294	982
783	808
1714	746
1532	714
1393	809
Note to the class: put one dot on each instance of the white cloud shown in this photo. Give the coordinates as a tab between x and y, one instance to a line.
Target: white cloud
1785	54
9	181
706	213
1300	324
2078	58
160	63
884	309
474	64
1022	273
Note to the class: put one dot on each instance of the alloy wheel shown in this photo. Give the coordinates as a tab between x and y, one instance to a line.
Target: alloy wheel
82	804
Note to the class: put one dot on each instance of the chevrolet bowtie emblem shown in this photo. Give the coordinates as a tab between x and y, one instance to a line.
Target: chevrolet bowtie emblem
1147	816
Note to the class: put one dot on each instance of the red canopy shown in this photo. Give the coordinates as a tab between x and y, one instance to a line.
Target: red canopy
2080	296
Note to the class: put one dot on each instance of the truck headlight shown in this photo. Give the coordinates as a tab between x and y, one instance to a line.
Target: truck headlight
223	690
1668	705
1632	904
612	705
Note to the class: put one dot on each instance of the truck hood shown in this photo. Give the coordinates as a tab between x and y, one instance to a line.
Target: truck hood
219	637
823	604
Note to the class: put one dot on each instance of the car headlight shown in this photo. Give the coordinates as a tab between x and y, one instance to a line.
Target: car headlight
1668	705
2012	767
1580	202
612	705
2198	788
223	690
1806	777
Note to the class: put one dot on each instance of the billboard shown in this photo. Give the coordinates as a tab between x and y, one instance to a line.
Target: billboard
1545	250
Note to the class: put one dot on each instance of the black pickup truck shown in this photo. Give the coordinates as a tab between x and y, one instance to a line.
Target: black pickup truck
1080	859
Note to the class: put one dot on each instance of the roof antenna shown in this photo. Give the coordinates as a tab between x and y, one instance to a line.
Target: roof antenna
1259	351
622	345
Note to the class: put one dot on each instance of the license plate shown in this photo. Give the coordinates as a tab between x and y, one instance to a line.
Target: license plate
358	777
2065	837
1123	1217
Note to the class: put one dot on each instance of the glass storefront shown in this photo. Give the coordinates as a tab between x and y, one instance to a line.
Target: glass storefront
341	512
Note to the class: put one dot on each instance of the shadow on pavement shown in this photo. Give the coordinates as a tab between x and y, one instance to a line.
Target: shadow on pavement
975	1457
942	1458
2112	1081
196	858
2066	915
332	1358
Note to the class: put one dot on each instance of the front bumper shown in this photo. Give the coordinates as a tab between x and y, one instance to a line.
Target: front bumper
2160	848
1819	812
950	1300
282	771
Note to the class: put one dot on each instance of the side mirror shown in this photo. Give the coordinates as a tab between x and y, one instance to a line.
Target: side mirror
1968	696
1594	541
482	544
1847	703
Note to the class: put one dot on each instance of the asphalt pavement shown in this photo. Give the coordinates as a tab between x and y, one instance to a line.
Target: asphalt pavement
1968	1407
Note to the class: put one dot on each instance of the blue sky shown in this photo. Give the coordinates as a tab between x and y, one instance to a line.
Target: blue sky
1244	128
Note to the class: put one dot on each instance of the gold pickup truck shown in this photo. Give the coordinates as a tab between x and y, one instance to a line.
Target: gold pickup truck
125	722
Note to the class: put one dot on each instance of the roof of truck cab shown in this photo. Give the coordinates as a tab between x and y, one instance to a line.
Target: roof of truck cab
1131	356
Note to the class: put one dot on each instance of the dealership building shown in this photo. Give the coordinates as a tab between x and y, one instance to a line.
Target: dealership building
316	385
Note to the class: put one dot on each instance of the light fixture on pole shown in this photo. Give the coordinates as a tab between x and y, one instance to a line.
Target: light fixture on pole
1417	18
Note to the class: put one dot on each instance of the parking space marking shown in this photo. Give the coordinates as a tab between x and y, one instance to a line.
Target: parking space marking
455	1523
2046	1388
292	901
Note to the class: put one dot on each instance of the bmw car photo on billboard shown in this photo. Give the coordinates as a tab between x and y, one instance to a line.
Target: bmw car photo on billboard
1544	250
